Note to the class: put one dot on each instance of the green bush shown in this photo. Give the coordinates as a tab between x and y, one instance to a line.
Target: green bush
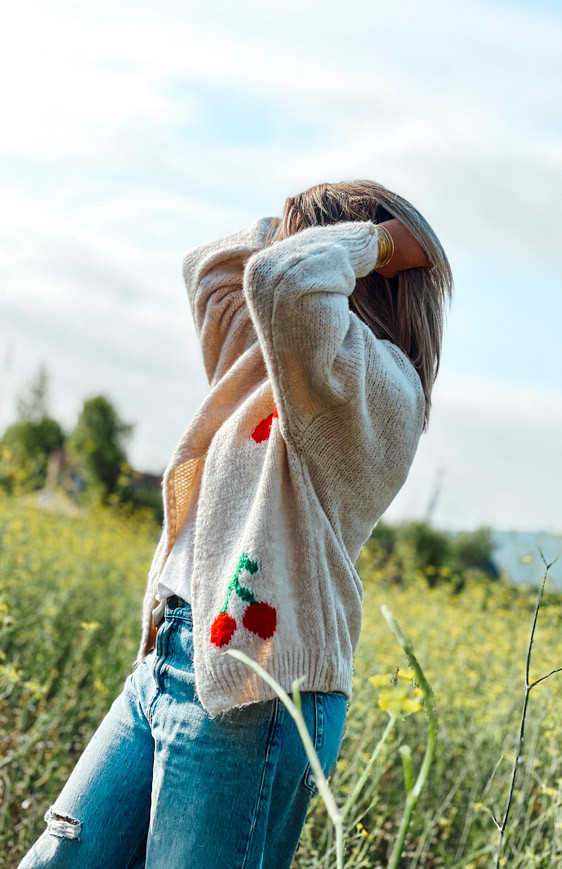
27	446
97	445
440	555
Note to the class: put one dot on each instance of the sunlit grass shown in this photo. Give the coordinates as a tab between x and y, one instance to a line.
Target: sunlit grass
70	597
472	647
71	589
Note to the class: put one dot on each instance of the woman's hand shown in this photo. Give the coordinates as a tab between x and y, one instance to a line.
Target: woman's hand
408	252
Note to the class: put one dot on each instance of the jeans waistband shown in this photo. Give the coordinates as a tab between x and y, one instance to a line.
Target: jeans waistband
174	601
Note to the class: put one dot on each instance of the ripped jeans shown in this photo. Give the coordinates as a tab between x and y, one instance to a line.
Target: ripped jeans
161	785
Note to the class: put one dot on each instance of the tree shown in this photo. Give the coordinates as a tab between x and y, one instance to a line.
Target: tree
474	549
98	443
34	406
441	555
384	535
431	547
26	444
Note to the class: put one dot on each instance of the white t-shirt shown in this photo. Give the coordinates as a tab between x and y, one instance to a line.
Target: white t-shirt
176	575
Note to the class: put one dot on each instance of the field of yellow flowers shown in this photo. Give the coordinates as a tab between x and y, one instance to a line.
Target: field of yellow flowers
71	588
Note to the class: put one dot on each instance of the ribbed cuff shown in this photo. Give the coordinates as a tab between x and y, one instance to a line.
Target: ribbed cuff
364	253
359	237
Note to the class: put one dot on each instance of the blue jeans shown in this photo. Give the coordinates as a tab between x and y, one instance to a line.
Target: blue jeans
163	786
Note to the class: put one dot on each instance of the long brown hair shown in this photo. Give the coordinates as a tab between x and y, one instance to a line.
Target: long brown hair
407	309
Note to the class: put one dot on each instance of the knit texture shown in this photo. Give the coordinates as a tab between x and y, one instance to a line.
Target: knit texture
176	574
304	439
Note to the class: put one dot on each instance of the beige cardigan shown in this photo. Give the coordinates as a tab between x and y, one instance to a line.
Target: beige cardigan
305	437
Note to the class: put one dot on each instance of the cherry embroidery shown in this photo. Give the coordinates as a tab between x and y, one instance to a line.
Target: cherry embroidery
222	629
259	617
263	428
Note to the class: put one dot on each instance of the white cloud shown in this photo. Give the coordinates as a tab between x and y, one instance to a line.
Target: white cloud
133	132
494	449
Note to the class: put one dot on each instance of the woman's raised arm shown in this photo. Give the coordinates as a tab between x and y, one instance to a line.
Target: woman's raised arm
213	275
318	353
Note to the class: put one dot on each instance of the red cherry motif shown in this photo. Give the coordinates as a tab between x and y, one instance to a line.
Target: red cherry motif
263	428
261	618
222	629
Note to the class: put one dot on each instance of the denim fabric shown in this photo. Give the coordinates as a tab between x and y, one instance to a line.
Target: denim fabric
163	786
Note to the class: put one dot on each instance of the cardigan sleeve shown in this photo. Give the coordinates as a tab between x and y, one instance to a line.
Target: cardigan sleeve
314	347
213	275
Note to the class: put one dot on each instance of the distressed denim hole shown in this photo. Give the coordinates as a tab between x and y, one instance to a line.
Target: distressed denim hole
63	826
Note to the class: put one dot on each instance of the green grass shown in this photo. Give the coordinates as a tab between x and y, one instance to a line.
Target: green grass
71	589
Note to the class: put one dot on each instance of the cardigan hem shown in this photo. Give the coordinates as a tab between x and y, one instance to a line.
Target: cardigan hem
234	683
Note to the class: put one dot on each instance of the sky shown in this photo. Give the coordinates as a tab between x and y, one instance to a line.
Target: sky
132	132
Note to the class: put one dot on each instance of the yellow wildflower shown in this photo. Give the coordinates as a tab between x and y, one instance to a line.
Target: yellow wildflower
379	680
395	701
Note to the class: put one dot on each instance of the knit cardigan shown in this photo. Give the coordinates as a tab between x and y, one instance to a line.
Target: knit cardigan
305	437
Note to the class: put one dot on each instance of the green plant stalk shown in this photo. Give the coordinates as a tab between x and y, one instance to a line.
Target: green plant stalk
528	687
370	763
413	790
432	730
294	708
406	755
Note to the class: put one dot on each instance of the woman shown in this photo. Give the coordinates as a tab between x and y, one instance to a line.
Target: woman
321	335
